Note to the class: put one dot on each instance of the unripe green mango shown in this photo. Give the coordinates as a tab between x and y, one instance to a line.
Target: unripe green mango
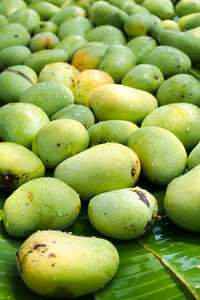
117	61
18	165
179	88
72	265
123	214
140	46
182	119
76	112
195	32
42	203
59	72
45	10
118	102
67	13
43	41
102	13
19	122
99	169
163	9
169	24
26	17
144	77
59	140
111	131
8	7
86	4
107	34
49	95
45	26
74	26
56	2
182	200
14	55
194	157
162	155
13	35
169	60
186	7
14	81
41	58
189	21
3	20
128	6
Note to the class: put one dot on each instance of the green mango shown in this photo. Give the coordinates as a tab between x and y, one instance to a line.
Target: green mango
44	9
169	60
186	7
194	157
111	131
19	122
118	102
66	13
14	55
169	24
45	26
3	20
102	13
189	21
59	72
136	8
43	41
42	203
76	112
56	2
86	4
50	96
117	61
123	214
8	7
13	35
72	265
59	140
163	9
26	17
74	26
128	6
71	43
86	82
100	169
144	77
182	119
140	46
14	81
182	200
162	155
107	34
179	88
18	165
39	59
195	32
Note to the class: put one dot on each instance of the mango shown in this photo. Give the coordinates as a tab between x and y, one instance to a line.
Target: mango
182	200
189	21
59	140
76	112
107	34
45	26
8	7
118	102
43	41
76	26
169	24
111	131
162	155
123	214
42	203
67	13
99	169
3	20
194	157
14	55
29	18
19	122
18	165
163	9
82	3
44	9
72	266
186	7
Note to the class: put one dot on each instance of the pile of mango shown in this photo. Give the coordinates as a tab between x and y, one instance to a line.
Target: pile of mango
95	93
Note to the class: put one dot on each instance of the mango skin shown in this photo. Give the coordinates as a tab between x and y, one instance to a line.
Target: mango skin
45	26
111	131
18	165
107	34
194	157
8	7
42	41
3	20
42	203
59	140
29	18
170	24
45	10
76	112
76	26
108	167
122	214
182	119
162	155
163	9
72	266
182	200
14	55
67	13
189	21
117	102
186	7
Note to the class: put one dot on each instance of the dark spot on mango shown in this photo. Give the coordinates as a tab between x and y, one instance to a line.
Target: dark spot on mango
20	73
41	26
39	245
58	144
142	197
51	255
182	96
133	172
19	262
156	77
16	36
53	265
30	195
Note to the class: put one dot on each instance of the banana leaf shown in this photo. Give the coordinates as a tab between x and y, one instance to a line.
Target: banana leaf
162	264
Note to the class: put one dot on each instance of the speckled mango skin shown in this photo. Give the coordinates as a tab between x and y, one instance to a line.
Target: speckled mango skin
118	102
18	165
162	155
102	168
42	203
45	26
122	214
182	200
72	266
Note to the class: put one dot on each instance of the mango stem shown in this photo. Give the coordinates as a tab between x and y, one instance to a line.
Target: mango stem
156	217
